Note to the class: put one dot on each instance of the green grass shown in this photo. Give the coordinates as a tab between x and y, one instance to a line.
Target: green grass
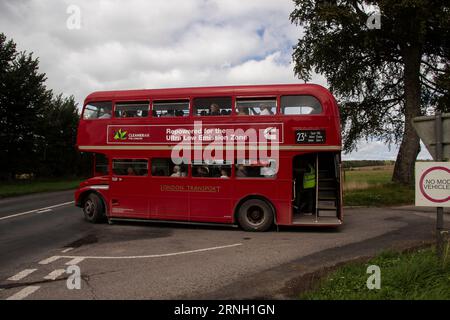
16	188
368	176
389	194
412	276
372	187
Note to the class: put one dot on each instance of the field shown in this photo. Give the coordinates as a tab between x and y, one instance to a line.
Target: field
372	186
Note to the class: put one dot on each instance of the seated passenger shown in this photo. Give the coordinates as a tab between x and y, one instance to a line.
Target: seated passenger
106	115
176	171
266	111
242	111
241	171
130	171
169	113
202	171
214	110
224	174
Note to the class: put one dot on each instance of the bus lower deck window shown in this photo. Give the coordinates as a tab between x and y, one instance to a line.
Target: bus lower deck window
165	167
130	167
256	168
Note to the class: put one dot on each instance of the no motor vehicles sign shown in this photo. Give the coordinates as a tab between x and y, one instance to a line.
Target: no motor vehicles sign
433	184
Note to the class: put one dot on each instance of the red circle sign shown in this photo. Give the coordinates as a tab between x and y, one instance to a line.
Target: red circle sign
423	190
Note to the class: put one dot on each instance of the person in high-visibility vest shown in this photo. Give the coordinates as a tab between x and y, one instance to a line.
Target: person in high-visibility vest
309	178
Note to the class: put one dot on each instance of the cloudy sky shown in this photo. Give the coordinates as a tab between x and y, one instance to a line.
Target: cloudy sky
160	43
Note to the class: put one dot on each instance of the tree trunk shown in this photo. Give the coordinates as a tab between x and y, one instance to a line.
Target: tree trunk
410	146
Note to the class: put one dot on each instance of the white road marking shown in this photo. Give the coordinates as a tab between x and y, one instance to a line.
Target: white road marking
46	209
148	256
49	260
25	292
55	274
67	250
74	261
22	274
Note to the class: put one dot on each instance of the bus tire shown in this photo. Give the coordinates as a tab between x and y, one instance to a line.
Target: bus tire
255	215
93	209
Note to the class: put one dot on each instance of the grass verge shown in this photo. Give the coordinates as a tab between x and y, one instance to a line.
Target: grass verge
17	188
389	194
416	275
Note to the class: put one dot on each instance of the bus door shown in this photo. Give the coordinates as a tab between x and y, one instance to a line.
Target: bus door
129	188
316	188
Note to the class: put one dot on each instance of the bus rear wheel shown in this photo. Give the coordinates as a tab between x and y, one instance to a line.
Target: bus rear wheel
93	209
255	215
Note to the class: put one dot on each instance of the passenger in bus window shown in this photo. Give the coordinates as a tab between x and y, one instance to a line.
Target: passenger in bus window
214	110
242	111
176	171
124	114
169	113
106	115
202	171
265	111
224	173
241	171
130	171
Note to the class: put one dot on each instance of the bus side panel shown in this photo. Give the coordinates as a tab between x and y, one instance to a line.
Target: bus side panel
210	200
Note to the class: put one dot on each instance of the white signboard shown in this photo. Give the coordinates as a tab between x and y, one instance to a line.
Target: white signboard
433	184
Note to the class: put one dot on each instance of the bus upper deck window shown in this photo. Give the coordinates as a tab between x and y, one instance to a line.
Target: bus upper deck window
256	106
175	108
98	110
214	106
131	109
300	105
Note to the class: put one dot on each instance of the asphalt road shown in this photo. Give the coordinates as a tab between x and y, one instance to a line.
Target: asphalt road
42	235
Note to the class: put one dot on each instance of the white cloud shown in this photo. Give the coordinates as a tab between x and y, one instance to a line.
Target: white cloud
143	44
378	150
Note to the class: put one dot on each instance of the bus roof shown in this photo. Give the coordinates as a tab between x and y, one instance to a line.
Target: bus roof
312	89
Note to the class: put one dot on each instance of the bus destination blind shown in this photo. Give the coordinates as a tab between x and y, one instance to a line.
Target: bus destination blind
309	136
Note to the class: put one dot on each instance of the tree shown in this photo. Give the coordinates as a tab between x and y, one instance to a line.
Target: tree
37	129
23	98
57	132
382	77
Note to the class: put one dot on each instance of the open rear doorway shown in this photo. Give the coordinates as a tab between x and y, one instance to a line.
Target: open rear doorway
317	189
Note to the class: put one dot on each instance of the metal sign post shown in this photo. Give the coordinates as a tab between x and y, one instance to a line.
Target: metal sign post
434	131
439	210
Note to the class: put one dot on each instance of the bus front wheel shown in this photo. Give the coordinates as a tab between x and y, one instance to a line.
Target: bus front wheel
93	208
255	215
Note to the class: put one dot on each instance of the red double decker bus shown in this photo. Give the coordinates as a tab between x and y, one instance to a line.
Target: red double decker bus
248	155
